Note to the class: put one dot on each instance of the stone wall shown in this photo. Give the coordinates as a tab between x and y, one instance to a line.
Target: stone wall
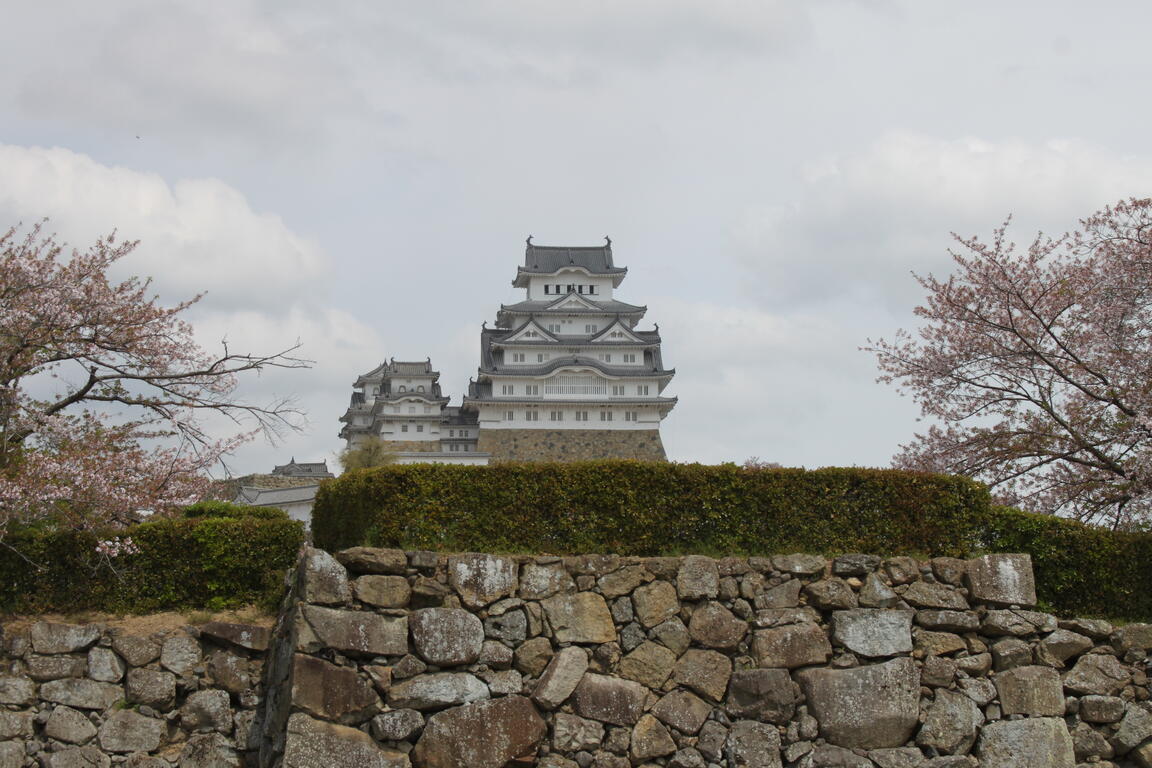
391	659
571	444
85	696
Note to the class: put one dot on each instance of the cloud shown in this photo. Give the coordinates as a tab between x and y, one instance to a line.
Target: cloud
863	221
267	286
196	234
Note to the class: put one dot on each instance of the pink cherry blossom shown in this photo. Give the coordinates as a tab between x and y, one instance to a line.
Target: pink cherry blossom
103	390
1036	365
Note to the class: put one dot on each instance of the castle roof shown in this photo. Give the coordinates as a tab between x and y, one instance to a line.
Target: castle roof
302	469
550	259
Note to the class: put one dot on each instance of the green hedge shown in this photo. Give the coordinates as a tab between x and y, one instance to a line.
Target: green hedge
642	508
1081	570
216	561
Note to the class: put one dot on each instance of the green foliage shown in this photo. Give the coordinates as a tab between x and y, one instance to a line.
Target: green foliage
643	508
1081	570
371	452
213	508
205	560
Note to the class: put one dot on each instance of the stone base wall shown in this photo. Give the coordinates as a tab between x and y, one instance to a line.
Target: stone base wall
74	695
420	446
571	444
390	659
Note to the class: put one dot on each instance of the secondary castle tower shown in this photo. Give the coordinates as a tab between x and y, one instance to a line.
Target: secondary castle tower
565	374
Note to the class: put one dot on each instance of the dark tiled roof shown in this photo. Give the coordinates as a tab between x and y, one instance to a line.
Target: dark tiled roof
545	259
610	307
302	469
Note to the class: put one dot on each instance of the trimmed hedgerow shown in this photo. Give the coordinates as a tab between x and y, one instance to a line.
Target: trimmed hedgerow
1081	570
642	508
212	561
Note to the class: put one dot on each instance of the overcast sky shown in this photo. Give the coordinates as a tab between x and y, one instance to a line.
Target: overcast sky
362	176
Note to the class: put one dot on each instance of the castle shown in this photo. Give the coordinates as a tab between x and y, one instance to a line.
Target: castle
565	375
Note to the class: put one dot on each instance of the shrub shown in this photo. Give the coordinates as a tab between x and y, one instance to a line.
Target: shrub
1081	570
642	508
203	561
214	508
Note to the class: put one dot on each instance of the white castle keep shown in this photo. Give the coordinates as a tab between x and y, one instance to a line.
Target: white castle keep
565	375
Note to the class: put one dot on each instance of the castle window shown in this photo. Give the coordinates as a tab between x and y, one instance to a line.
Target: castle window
617	390
581	415
402	388
630	358
554	327
419	427
642	389
605	415
630	416
451	433
571	288
531	416
509	415
517	357
403	427
532	389
420	388
556	416
580	289
507	389
592	289
541	357
547	289
590	328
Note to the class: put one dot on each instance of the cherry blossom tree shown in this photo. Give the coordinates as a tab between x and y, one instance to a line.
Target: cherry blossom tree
104	391
1036	365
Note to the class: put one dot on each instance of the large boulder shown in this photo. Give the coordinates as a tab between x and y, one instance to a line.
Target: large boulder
791	646
1029	743
706	672
762	694
128	731
609	699
867	707
330	692
382	591
437	691
649	664
580	617
68	725
697	578
714	626
1002	580
485	734
873	632
154	687
753	745
373	560
1098	674
446	637
1030	690
655	602
482	579
314	743
48	637
650	739
325	580
539	581
951	723
357	632
81	694
181	654
207	710
683	710
561	677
